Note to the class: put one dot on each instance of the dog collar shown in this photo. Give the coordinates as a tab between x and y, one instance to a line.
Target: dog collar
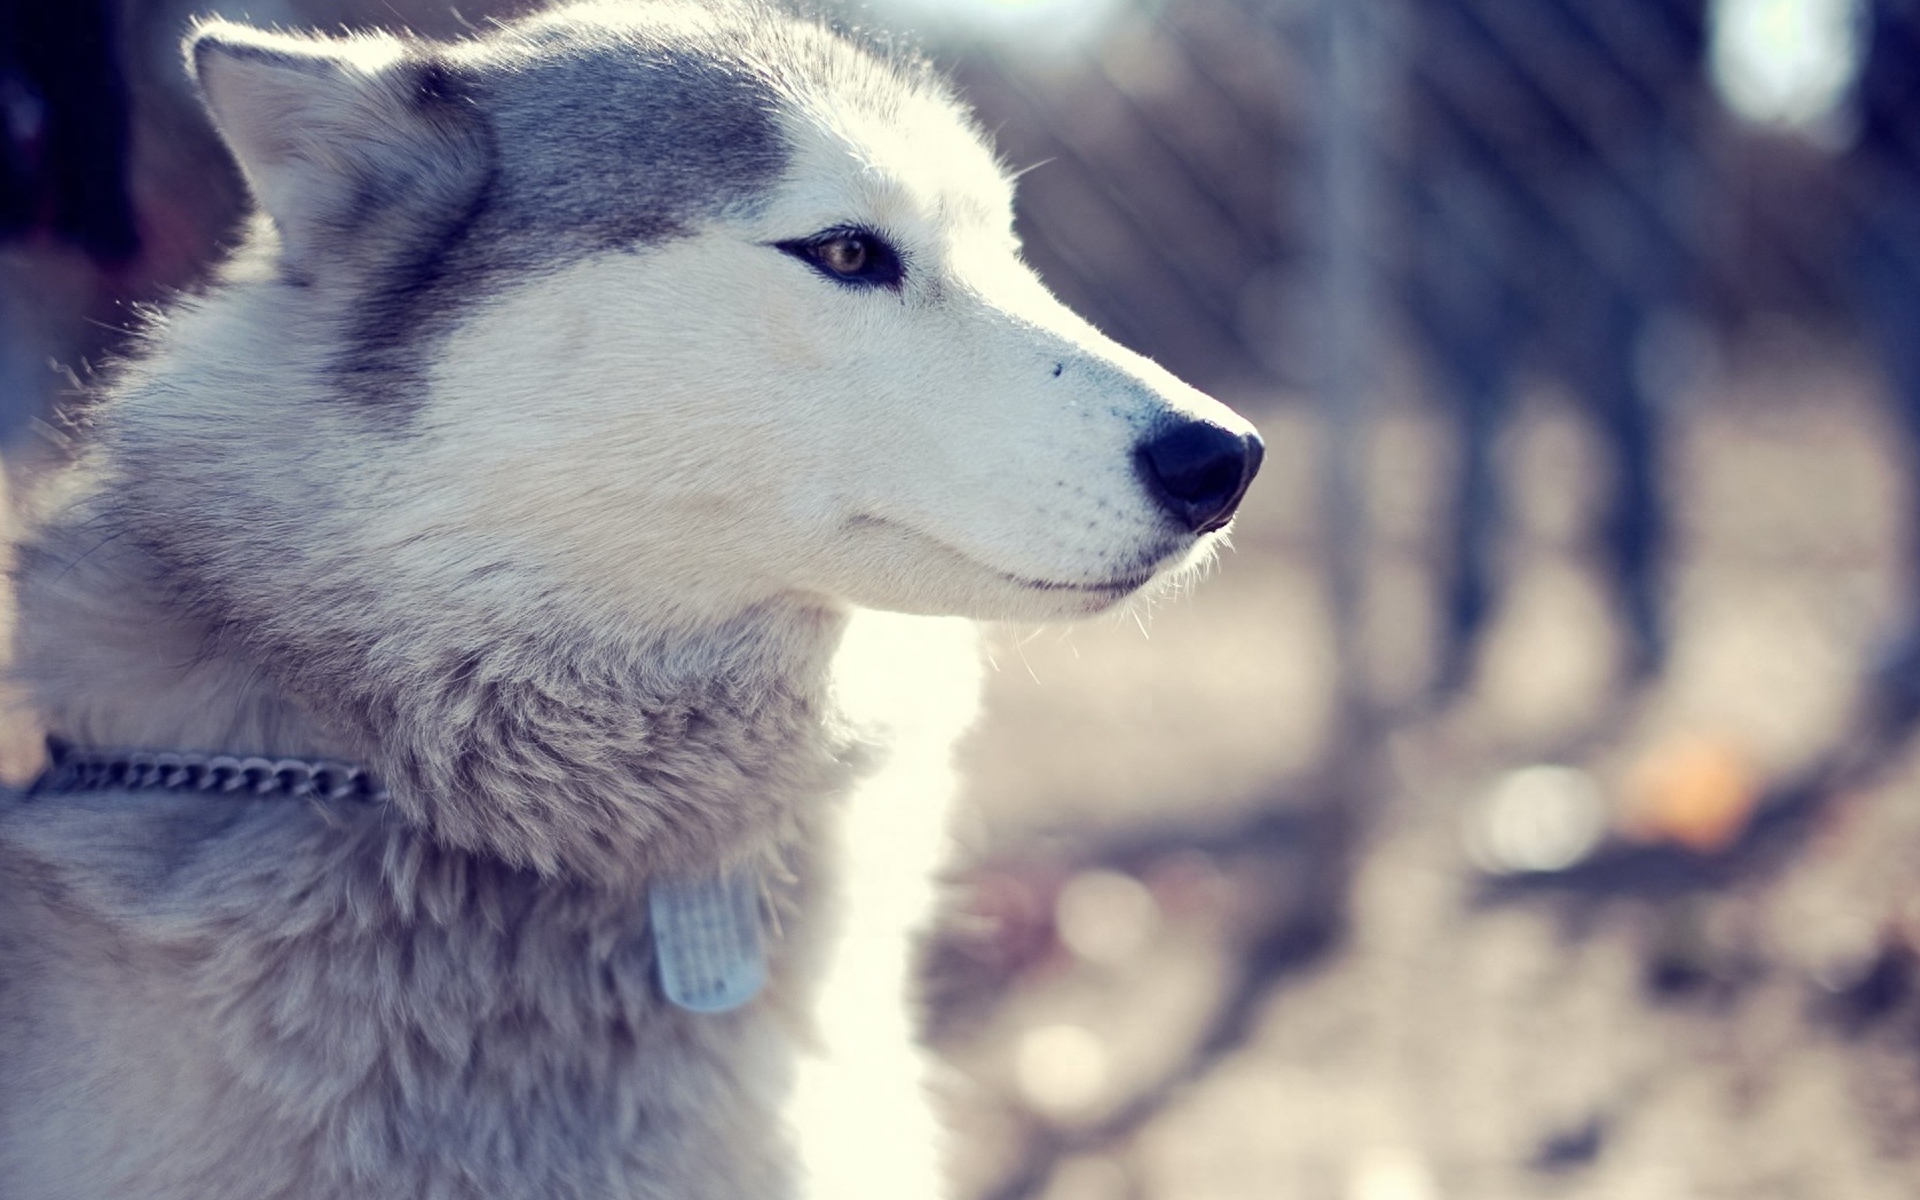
706	931
71	769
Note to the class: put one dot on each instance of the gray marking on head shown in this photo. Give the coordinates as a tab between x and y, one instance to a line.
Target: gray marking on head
612	138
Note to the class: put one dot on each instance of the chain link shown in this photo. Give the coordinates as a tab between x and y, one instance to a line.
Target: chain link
75	770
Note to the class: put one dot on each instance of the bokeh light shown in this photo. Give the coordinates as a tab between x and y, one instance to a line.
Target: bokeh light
1787	62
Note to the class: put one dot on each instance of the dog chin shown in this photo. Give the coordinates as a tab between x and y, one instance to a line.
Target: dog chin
1017	598
928	575
1035	601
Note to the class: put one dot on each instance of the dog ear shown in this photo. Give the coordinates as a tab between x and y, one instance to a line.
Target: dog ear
330	131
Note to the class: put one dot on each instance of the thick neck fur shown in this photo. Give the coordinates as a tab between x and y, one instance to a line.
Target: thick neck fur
518	731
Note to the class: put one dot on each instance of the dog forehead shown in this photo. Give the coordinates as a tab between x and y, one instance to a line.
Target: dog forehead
912	157
634	122
625	132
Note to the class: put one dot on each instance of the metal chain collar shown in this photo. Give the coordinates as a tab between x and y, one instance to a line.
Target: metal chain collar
71	769
708	931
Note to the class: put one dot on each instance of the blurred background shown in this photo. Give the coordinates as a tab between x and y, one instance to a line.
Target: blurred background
1524	807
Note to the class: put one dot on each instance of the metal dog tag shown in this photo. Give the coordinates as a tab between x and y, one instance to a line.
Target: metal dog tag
706	933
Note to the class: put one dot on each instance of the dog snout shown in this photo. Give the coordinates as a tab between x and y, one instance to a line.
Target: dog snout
1198	471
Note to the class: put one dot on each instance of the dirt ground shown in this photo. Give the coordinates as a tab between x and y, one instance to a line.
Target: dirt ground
1220	943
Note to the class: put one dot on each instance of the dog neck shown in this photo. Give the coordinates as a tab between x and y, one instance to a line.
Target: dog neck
525	735
109	664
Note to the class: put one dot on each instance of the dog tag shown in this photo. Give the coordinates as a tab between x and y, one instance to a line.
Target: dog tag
706	933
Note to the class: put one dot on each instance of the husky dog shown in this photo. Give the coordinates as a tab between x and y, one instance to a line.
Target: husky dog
471	748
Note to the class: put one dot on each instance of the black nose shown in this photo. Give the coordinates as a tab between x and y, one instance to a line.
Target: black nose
1199	471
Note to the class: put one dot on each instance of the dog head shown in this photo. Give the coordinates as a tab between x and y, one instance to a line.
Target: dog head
695	308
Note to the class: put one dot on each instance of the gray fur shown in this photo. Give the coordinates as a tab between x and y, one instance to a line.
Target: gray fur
250	1000
614	141
215	998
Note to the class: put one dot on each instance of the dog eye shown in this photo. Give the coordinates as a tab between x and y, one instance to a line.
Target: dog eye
854	256
846	256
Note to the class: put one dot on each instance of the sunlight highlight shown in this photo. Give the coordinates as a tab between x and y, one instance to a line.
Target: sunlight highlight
1789	63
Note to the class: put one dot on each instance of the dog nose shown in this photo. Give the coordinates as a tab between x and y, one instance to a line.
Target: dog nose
1199	471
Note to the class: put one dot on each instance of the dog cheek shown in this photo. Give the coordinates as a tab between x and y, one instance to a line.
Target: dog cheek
793	343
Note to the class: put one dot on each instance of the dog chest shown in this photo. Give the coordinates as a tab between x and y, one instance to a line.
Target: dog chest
189	989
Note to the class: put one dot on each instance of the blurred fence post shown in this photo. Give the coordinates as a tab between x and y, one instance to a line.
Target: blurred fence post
1343	184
